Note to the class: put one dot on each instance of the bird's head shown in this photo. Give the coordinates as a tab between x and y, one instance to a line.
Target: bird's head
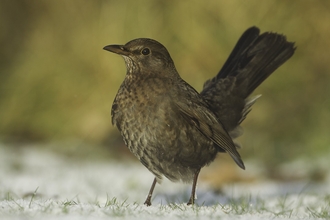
143	55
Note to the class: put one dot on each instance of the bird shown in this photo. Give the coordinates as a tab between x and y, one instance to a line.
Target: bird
170	127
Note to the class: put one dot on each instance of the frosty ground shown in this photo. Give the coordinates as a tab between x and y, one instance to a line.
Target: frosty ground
37	184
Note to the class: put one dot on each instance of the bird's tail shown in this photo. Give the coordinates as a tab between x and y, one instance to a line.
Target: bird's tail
255	57
252	60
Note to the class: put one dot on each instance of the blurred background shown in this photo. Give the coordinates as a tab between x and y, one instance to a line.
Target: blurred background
57	84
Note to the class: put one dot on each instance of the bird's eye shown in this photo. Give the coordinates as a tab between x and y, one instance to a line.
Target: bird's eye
145	51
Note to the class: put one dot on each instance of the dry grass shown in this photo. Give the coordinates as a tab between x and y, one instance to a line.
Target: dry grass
57	83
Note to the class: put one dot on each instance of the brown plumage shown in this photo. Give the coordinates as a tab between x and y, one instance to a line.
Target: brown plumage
174	130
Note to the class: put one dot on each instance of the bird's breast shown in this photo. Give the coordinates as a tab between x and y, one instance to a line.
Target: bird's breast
157	134
140	103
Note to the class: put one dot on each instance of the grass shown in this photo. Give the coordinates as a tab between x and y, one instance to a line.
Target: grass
286	207
50	186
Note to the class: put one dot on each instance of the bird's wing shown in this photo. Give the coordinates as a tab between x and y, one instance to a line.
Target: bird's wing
205	121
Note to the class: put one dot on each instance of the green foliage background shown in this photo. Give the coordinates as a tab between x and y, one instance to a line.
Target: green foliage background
56	82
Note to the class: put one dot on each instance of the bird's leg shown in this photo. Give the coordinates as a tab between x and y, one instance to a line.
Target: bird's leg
148	200
193	190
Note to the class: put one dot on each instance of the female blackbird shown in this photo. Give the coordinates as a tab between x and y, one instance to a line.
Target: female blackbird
174	130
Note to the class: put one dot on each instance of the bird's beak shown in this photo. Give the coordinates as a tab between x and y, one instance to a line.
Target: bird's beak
118	49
